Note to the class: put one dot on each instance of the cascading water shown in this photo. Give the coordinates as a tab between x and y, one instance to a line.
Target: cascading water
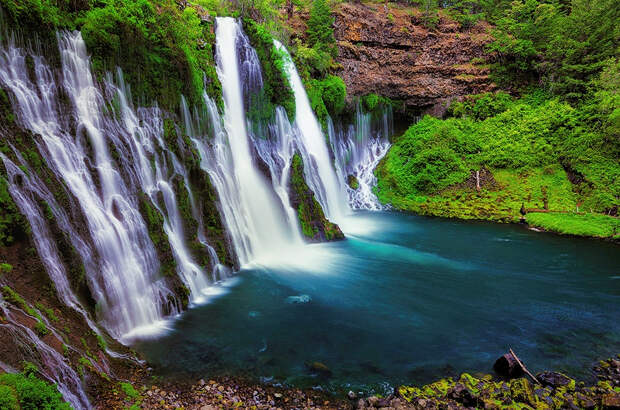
319	170
120	260
125	285
156	166
254	214
52	365
358	150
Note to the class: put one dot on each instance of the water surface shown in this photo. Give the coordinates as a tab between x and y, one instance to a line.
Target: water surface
406	299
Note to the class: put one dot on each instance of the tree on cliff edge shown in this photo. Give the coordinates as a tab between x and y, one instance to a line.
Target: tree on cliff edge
320	31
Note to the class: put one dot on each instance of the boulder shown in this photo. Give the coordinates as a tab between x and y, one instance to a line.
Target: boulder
507	366
555	380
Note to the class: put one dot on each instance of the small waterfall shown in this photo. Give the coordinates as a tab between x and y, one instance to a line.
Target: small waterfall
277	152
52	365
319	169
254	213
358	150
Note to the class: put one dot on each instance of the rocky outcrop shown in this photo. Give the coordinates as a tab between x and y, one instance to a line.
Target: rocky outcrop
390	52
314	225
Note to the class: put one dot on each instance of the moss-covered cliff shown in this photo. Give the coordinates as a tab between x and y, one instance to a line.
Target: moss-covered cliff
314	225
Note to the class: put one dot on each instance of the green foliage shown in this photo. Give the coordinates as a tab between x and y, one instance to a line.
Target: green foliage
162	50
165	51
333	93
327	97
597	225
5	268
101	342
26	391
481	106
48	312
312	61
320	31
129	390
530	148
370	102
276	87
312	219
12	223
562	47
33	13
8	399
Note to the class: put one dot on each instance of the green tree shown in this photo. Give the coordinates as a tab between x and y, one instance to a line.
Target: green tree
320	31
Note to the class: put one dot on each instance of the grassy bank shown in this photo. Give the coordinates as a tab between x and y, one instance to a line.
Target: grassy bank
495	158
595	225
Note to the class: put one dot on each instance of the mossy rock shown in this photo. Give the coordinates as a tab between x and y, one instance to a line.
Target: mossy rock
314	225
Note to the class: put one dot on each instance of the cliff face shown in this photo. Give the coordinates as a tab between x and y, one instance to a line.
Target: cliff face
390	52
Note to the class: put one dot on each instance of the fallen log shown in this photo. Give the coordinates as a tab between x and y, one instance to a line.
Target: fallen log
523	367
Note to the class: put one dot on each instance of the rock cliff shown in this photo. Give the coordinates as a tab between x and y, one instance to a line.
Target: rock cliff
389	51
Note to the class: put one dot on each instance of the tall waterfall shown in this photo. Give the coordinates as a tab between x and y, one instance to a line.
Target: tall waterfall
358	150
255	215
319	171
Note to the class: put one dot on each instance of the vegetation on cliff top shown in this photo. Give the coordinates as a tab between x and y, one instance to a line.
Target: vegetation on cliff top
164	50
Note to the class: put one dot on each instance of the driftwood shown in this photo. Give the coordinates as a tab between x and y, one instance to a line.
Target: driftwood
523	367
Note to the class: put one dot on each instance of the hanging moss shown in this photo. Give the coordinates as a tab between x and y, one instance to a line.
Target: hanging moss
276	87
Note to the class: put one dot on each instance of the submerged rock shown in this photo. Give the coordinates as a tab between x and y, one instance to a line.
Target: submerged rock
300	299
319	368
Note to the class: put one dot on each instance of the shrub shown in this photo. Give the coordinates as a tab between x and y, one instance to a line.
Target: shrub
334	93
26	391
481	106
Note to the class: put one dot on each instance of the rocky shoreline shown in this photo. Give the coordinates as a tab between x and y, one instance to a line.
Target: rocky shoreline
483	391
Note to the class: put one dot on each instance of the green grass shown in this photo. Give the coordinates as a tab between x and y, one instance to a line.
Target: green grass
596	225
501	202
129	391
531	146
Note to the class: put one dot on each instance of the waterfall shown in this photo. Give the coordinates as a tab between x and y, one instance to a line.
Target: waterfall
358	150
319	169
256	217
156	166
52	365
106	158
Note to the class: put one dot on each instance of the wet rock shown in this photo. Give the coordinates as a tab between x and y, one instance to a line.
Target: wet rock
611	401
351	395
555	380
506	366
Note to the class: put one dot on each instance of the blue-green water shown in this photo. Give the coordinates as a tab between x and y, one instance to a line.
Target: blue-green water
407	299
